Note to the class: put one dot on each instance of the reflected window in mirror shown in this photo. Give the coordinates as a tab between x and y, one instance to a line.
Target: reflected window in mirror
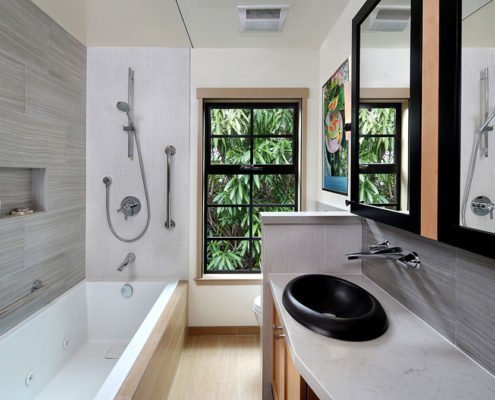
386	122
385	68
380	130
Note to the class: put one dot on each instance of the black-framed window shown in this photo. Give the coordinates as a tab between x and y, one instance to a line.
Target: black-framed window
380	130
250	166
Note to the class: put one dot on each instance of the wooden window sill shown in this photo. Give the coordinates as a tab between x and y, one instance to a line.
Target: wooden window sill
230	279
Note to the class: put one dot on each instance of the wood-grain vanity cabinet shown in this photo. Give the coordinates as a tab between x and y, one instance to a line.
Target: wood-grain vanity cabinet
287	383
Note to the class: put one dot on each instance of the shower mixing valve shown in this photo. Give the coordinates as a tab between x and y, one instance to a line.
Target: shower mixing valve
482	205
130	206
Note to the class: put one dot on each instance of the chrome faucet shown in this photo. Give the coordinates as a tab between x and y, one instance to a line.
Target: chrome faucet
131	257
384	251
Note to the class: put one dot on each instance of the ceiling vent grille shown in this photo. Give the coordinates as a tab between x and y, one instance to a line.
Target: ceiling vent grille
264	18
390	18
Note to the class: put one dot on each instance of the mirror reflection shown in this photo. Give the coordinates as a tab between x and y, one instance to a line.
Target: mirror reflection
477	179
384	105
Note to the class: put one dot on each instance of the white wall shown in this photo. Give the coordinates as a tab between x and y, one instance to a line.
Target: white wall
334	50
473	61
162	118
221	68
396	75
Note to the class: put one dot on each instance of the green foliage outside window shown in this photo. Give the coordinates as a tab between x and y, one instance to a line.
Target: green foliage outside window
377	188
235	222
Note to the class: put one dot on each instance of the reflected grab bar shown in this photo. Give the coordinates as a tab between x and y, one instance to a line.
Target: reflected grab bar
35	289
169	223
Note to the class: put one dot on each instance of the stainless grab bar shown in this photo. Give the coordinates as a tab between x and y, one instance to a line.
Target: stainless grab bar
35	289
169	223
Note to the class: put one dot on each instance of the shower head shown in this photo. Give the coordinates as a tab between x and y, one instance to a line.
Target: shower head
124	107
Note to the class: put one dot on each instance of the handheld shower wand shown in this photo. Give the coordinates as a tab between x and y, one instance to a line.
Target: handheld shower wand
125	108
130	128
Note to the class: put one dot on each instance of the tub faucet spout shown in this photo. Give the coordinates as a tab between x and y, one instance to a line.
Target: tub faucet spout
131	257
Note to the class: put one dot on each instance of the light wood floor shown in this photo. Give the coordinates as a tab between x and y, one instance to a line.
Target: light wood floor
219	368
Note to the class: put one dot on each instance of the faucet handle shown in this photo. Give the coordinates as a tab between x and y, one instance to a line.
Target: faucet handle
380	246
410	261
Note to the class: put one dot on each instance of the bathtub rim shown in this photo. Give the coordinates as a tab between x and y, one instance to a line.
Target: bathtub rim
73	289
114	381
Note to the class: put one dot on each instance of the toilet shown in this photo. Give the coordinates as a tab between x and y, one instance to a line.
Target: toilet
258	310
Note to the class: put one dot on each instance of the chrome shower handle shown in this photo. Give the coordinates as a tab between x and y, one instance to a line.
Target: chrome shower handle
169	223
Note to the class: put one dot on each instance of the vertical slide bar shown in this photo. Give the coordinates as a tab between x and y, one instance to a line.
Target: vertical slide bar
169	223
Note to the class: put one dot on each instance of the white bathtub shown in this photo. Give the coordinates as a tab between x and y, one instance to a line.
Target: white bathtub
83	344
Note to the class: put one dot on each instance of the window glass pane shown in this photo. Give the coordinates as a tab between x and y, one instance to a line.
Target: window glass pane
376	150
250	134
230	121
227	255
228	189
377	121
274	189
377	188
230	151
273	121
227	221
275	151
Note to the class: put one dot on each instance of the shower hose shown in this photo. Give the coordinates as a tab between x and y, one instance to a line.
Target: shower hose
143	176
469	178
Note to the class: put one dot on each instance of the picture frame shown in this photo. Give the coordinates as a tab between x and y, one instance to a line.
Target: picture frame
335	141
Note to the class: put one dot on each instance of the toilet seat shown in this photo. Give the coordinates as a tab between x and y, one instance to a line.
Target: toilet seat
257	304
258	310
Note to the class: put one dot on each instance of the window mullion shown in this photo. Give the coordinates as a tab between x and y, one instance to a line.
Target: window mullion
251	197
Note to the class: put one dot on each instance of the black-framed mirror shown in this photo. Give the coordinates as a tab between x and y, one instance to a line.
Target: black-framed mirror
386	112
466	129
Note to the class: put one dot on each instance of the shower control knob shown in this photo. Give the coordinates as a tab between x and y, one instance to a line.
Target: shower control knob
482	205
130	206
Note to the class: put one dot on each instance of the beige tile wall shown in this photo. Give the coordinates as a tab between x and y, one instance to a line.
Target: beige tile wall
42	125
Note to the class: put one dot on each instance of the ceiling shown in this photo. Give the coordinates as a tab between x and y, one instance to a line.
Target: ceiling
478	29
381	39
119	22
211	23
471	6
215	23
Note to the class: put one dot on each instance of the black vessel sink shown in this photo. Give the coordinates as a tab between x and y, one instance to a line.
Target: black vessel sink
335	307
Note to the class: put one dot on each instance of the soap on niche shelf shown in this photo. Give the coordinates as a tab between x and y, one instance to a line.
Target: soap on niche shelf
19	212
8	216
24	191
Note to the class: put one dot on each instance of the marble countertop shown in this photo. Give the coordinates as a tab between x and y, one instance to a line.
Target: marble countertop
410	361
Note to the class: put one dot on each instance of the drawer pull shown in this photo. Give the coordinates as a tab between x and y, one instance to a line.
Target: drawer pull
278	335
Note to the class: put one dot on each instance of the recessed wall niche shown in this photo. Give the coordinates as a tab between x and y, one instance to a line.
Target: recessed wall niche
22	188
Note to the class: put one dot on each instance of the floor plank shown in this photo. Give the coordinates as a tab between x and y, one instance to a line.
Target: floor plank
219	368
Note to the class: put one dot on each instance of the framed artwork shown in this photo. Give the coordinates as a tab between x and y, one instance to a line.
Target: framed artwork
335	143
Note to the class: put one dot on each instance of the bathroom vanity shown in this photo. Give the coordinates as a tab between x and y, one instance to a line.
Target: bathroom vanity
287	381
419	356
409	361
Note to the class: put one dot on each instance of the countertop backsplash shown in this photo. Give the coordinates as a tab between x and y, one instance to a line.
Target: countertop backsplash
454	291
